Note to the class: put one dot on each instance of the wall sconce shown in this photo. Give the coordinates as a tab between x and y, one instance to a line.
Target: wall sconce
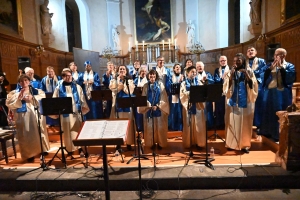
38	51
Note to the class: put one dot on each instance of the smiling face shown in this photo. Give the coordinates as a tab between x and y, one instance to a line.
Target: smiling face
160	62
223	60
152	77
142	72
67	77
30	74
24	82
122	70
177	69
192	74
188	63
88	68
199	67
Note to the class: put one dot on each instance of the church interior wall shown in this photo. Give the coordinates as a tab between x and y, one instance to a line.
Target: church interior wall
101	17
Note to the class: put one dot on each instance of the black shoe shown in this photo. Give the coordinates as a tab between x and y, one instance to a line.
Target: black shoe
159	147
152	147
245	150
118	147
129	148
80	150
70	153
199	148
45	153
31	160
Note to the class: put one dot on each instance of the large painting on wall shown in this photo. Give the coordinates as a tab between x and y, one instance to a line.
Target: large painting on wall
153	21
11	17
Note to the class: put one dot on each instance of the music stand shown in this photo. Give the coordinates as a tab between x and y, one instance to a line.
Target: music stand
138	91
137	102
49	94
214	96
201	94
60	105
100	95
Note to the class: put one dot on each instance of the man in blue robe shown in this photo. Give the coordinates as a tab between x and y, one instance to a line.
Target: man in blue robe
257	65
278	81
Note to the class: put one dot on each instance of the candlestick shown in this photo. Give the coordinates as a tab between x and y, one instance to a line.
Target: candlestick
129	46
175	43
169	44
163	45
136	46
143	45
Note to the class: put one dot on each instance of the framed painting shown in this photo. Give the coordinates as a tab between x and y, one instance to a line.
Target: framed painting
153	21
11	18
290	11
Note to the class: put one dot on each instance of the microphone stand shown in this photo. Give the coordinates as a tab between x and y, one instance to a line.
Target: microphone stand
139	140
36	108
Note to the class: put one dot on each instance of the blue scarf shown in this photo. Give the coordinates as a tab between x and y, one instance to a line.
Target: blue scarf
239	96
154	98
23	109
188	84
63	93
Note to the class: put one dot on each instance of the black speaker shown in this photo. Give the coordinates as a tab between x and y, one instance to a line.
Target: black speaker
23	62
271	48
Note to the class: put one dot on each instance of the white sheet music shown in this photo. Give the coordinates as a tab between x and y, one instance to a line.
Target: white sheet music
104	129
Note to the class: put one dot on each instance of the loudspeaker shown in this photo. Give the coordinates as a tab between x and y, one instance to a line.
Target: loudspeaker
23	62
271	48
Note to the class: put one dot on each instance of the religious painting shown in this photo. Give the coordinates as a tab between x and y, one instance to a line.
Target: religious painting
290	10
153	21
11	17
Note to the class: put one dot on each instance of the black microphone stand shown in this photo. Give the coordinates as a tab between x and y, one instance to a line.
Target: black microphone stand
36	108
139	140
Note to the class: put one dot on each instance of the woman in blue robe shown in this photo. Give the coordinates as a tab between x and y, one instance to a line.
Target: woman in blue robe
77	76
119	89
91	82
106	77
139	82
175	117
205	78
278	81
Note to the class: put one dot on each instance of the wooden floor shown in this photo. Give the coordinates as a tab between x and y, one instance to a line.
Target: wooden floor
173	155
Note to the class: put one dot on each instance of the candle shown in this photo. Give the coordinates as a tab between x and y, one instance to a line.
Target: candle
129	46
136	46
169	44
175	43
163	45
143	45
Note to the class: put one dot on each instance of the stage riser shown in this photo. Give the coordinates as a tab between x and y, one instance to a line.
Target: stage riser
263	181
156	184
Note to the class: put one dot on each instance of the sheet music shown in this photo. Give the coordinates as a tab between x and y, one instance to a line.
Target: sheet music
104	129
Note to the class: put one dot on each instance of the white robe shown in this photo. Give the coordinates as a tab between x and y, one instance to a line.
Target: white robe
198	125
238	121
27	125
71	125
160	123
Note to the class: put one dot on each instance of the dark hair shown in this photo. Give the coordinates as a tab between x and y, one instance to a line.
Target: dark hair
188	60
175	66
153	71
127	71
190	68
23	76
242	57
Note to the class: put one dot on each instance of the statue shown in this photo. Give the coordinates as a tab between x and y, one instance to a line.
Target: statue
46	22
255	11
190	30
115	37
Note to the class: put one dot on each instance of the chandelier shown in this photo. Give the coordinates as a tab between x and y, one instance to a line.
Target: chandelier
39	50
108	53
196	48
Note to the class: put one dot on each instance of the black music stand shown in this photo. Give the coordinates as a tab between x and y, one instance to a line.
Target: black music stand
205	93
126	102
213	96
49	94
57	106
100	95
138	91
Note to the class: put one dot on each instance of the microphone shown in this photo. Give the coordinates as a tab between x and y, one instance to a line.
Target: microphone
30	89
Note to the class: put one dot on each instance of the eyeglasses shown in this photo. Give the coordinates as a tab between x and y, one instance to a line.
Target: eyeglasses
67	76
223	60
161	60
